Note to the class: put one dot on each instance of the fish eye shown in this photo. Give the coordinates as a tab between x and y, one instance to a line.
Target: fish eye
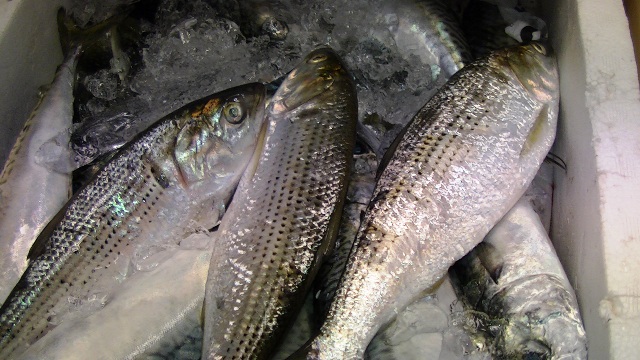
540	48
317	58
233	112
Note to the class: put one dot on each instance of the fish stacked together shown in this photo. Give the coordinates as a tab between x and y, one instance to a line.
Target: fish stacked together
292	204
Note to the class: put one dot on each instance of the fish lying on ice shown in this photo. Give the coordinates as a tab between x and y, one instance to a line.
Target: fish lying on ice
458	167
176	176
285	215
515	277
30	193
361	184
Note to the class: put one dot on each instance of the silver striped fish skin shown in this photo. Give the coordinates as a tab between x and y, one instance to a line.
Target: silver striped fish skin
515	277
31	194
463	161
176	176
361	184
285	216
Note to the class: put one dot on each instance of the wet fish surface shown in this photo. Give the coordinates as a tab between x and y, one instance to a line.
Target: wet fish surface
515	278
361	184
285	215
24	183
30	193
176	177
463	161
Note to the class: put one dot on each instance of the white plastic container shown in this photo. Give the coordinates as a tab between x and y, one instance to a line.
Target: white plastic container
596	213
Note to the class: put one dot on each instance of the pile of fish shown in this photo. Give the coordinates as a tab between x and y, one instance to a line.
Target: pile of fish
295	210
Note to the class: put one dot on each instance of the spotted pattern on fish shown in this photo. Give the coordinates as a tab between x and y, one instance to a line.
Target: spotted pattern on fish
455	171
140	194
284	218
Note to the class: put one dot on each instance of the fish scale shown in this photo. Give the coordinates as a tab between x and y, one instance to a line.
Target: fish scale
67	245
285	214
463	161
150	195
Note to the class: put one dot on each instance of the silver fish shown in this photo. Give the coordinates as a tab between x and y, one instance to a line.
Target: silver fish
462	162
285	216
515	277
175	177
30	193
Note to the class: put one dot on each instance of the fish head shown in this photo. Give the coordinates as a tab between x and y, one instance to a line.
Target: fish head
221	134
534	70
535	67
312	77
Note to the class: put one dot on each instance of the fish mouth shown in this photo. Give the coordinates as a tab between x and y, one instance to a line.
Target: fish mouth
312	77
535	68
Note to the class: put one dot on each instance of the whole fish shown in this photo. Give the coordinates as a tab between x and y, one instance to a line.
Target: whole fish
463	161
175	177
30	193
285	217
515	277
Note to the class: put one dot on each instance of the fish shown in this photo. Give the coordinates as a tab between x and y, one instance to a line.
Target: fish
285	213
429	31
463	161
515	277
361	184
173	179
30	193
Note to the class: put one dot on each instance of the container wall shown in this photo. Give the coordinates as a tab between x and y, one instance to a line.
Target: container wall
29	54
596	212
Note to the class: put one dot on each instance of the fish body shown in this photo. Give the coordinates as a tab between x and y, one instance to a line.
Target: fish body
284	217
175	177
361	184
463	161
515	277
30	193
